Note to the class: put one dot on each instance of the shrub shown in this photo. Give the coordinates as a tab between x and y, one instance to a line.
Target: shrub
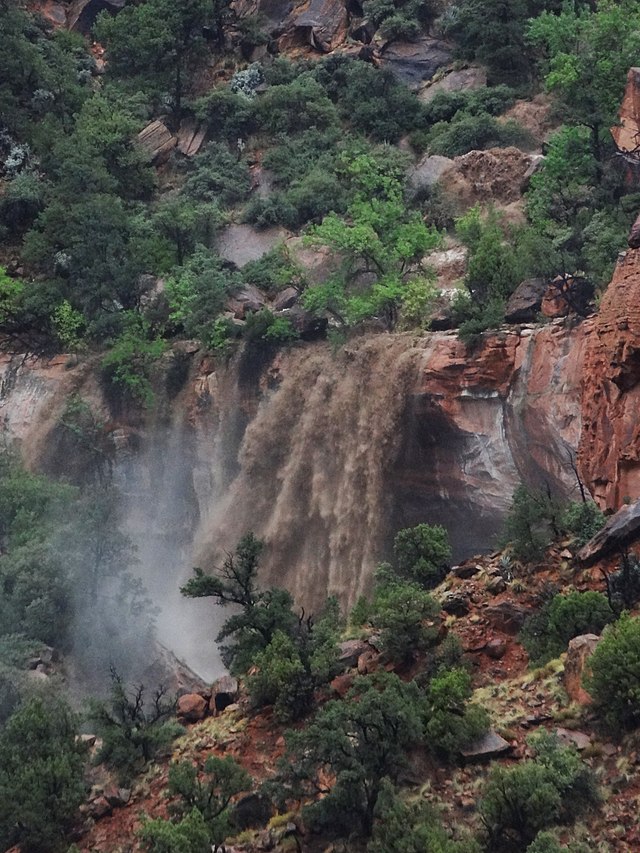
546	634
218	175
190	835
614	678
274	271
519	802
473	133
132	734
129	364
411	827
209	790
451	722
41	777
405	614
583	520
360	741
422	554
531	522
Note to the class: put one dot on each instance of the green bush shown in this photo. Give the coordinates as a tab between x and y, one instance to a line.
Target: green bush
452	723
422	554
475	132
407	617
218	175
531	522
41	777
582	519
129	364
547	634
133	727
412	827
208	790
274	271
554	788
190	835
614	678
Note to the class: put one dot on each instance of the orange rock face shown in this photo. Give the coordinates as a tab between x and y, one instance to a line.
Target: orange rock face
626	135
609	452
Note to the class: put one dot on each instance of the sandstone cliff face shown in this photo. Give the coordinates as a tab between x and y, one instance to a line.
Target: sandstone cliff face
324	454
609	453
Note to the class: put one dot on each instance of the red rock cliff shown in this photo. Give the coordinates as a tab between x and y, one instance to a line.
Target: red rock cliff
609	452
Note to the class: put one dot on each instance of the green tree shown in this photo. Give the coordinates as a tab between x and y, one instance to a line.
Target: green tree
209	790
614	678
132	726
422	554
411	827
261	613
379	238
41	777
554	788
189	835
532	521
587	53
407	617
360	741
157	43
452	722
546	634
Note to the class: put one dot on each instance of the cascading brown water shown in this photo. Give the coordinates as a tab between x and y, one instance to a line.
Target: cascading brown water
312	466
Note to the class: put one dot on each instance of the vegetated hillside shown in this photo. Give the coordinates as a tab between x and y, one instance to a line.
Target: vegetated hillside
244	181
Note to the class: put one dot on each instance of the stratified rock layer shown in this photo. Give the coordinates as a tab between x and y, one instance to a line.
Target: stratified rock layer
609	453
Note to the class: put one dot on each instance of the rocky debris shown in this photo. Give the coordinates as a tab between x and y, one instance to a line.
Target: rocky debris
496	584
413	63
350	651
308	326
455	603
191	137
580	650
489	745
224	693
54	13
621	530
570	737
496	648
252	810
526	301
626	134
449	266
287	298
241	243
455	80
157	141
323	24
497	174
191	708
173	673
368	662
609	450
246	300
83	13
428	172
342	684
535	116
465	570
507	616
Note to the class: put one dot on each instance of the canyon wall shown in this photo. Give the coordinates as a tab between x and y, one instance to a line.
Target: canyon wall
323	454
609	451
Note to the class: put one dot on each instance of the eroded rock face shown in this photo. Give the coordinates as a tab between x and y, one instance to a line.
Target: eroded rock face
580	650
609	453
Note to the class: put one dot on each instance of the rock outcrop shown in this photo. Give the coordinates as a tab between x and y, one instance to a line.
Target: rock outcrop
609	453
622	529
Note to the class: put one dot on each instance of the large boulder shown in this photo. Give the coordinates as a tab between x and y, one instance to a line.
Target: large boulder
246	300
322	24
487	746
506	616
580	650
224	692
621	530
415	62
308	326
456	80
242	243
157	142
428	172
83	13
526	300
191	708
